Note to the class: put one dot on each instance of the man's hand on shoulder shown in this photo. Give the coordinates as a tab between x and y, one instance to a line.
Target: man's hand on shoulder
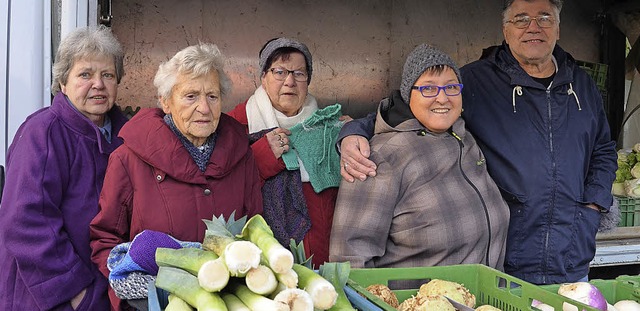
354	159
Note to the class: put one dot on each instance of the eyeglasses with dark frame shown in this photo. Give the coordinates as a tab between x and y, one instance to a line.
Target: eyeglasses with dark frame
521	22
428	91
281	74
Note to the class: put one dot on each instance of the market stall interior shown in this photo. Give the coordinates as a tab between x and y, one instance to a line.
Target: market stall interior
359	46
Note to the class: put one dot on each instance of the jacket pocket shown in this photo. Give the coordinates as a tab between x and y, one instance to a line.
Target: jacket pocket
87	302
583	241
517	233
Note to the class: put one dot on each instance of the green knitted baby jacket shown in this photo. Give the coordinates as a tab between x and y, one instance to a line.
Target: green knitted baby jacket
313	141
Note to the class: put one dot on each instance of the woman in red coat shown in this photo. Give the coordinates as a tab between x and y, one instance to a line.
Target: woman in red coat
180	163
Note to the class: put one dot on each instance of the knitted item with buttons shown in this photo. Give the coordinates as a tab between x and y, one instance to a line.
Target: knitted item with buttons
132	265
284	205
314	141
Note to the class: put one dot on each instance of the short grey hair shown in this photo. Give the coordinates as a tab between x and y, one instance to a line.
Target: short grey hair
557	7
82	43
195	61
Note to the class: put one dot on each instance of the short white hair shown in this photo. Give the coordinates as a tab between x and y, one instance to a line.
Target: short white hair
195	61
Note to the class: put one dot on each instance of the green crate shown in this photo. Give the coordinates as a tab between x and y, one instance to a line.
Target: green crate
629	211
597	71
612	290
630	280
490	286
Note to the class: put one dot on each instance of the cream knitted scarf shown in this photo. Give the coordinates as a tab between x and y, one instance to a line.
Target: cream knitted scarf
261	115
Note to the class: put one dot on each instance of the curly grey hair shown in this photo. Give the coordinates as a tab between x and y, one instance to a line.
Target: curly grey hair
557	7
82	43
196	61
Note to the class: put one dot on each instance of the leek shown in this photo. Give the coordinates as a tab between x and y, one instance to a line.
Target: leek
211	271
177	304
240	257
338	273
184	285
254	301
190	259
297	299
261	280
322	292
257	231
233	302
289	278
213	275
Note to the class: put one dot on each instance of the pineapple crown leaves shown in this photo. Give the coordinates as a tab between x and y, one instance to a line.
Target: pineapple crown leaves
229	228
299	255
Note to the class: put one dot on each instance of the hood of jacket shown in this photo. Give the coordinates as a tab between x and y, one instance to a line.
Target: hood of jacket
394	115
151	139
501	56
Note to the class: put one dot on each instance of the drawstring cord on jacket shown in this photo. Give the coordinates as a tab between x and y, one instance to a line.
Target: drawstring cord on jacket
516	89
571	92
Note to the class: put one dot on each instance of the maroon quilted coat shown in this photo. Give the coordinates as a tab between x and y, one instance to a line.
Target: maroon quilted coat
153	183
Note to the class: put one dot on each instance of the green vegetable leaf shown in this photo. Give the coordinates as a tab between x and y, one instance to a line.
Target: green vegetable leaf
336	272
299	255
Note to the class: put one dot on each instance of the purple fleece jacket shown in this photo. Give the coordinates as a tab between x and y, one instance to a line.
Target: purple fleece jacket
55	169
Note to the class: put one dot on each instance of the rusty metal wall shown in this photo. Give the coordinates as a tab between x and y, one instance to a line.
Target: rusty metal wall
358	46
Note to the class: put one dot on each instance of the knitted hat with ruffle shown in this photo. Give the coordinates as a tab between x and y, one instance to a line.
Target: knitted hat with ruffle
278	43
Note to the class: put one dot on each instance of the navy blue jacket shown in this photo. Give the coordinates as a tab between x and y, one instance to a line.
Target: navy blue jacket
549	151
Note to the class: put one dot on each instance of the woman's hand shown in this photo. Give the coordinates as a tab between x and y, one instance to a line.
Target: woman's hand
278	141
354	154
345	118
75	301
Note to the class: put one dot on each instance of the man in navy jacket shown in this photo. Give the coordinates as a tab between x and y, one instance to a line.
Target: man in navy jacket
540	122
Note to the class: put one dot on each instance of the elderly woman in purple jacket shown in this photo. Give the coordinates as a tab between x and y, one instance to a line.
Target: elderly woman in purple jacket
55	168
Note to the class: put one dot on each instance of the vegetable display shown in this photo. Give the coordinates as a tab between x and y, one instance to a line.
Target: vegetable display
589	294
241	266
430	296
627	182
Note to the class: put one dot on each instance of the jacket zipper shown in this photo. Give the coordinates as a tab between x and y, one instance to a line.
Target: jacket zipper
484	205
553	192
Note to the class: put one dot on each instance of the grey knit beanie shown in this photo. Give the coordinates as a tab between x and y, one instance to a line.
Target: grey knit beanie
278	43
419	60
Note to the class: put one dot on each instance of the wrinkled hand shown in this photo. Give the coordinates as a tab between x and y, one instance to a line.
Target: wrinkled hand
345	118
75	301
354	160
278	141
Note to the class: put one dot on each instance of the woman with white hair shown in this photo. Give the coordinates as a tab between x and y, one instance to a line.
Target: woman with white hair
180	163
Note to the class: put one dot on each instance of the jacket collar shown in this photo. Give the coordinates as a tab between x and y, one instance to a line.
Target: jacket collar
150	138
504	60
394	115
76	121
